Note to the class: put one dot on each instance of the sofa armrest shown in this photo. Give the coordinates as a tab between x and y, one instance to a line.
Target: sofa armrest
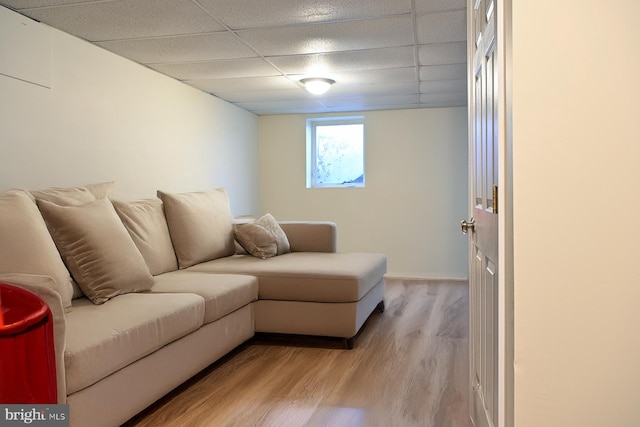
311	236
43	286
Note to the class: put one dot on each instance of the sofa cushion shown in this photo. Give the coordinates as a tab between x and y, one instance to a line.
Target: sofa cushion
102	190
102	339
147	226
262	238
222	293
73	196
65	196
307	276
200	225
26	245
97	249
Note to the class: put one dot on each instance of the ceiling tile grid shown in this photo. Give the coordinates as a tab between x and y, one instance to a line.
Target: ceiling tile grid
383	54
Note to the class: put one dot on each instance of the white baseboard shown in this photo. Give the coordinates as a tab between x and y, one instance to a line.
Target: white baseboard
425	276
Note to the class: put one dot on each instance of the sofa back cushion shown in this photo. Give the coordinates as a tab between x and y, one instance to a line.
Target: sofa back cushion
97	249
27	247
75	196
146	223
200	225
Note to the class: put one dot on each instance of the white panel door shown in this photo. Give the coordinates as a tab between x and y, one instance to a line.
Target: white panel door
484	209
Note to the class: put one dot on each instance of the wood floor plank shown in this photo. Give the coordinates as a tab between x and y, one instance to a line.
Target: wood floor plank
409	368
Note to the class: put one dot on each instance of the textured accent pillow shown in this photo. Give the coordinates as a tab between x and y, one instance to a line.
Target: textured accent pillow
263	238
97	249
147	226
200	224
26	245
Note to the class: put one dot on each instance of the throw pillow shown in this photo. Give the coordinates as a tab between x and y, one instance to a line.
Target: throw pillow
74	196
97	249
147	226
200	224
263	238
26	245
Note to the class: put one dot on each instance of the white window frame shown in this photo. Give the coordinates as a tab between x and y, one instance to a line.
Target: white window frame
312	123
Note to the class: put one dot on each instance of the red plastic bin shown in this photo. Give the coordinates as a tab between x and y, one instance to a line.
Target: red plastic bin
27	355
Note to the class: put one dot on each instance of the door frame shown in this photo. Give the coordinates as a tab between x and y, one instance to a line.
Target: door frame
505	221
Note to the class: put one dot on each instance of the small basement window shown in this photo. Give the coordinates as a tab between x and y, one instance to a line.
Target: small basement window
335	152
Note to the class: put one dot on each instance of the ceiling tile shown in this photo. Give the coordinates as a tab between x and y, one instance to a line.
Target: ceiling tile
243	84
449	99
346	61
442	27
222	69
284	107
431	6
181	48
332	37
253	96
371	101
26	4
443	53
128	19
439	86
443	72
385	89
241	14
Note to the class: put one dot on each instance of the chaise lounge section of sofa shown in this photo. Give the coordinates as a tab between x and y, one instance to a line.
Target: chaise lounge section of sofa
147	293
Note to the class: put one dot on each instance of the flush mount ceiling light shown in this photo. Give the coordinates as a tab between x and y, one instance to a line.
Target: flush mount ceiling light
317	85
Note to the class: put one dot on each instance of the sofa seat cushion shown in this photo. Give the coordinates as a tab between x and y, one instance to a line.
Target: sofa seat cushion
307	276
222	293
102	339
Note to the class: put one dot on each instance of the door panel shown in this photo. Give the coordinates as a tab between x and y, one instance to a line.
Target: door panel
484	207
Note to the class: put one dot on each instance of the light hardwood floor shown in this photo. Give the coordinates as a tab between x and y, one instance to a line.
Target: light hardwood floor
408	368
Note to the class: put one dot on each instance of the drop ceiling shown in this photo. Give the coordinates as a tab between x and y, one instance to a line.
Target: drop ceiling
383	54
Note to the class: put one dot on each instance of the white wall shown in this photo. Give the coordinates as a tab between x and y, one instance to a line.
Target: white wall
415	194
106	118
576	152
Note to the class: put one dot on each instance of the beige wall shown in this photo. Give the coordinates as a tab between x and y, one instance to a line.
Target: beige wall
576	152
105	118
415	194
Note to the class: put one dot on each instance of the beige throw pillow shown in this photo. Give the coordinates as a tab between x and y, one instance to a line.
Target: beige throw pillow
26	245
75	196
97	249
147	226
200	224
263	238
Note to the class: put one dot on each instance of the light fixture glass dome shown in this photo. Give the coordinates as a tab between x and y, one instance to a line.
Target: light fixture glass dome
317	85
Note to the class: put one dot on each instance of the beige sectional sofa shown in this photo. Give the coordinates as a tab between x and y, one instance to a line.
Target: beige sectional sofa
147	293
